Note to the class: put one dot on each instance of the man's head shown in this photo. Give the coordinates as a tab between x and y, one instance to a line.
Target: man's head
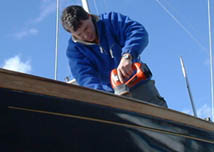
78	22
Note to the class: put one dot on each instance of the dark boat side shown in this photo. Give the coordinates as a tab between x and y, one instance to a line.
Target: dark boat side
40	114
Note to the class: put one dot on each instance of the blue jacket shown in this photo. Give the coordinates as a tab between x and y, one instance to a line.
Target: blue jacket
91	64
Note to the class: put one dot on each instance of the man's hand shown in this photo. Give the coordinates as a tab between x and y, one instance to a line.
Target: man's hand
124	69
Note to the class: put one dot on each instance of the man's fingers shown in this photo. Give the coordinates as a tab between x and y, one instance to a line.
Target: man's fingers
124	73
120	75
129	71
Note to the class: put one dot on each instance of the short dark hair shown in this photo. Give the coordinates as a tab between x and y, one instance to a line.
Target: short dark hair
71	17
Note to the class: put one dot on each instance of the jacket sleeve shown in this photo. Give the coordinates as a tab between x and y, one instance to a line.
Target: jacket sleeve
82	69
131	35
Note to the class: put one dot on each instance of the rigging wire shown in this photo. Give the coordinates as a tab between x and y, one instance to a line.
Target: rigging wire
181	25
176	12
211	58
198	42
57	35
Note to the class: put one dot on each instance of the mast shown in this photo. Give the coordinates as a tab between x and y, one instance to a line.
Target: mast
85	5
211	59
188	87
57	35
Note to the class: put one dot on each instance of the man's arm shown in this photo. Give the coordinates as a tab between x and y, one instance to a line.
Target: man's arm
131	35
124	69
133	38
82	70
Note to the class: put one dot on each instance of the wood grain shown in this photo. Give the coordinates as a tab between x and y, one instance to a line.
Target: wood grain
29	83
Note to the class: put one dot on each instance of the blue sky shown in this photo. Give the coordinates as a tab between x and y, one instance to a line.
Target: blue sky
176	28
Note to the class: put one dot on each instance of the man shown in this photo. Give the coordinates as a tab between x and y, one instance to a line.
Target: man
100	44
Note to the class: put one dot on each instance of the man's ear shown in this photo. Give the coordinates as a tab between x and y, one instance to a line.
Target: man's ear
89	16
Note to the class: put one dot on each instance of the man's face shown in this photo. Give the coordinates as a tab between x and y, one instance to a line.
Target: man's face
86	31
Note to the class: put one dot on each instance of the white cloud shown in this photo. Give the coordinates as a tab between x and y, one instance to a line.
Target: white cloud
33	31
49	6
15	64
203	112
45	1
46	8
25	33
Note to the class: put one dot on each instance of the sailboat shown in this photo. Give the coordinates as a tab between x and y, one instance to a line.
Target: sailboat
40	114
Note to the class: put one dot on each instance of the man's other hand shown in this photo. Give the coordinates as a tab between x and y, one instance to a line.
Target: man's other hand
124	69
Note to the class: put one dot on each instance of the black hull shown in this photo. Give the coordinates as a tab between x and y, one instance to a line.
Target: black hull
50	122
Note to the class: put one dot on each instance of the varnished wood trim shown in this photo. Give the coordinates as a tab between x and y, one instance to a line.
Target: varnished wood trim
34	84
